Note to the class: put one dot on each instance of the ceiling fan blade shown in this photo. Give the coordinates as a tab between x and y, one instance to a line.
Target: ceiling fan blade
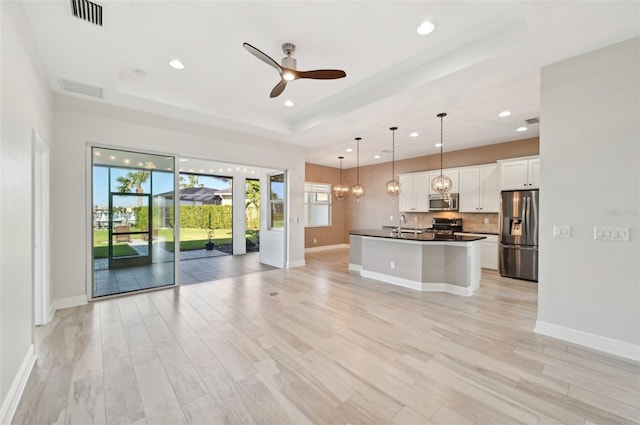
322	74
262	56
278	89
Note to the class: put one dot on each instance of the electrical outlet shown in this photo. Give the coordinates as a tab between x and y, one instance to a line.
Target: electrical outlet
561	231
390	218
486	220
315	240
611	233
393	264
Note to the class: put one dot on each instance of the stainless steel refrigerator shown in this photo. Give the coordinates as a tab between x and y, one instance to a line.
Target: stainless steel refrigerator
519	234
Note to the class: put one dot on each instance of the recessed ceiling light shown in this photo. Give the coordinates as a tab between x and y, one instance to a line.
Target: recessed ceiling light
183	159
376	156
414	134
289	103
349	149
127	161
140	164
504	114
211	170
98	153
425	28
437	145
521	129
176	64
201	170
112	157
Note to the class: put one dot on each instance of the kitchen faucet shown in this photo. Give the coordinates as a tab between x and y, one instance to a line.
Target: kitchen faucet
403	219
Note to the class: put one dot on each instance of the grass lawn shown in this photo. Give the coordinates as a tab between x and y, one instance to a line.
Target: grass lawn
190	239
118	251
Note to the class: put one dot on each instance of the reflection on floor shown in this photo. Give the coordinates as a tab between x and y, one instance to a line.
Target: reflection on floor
208	269
193	270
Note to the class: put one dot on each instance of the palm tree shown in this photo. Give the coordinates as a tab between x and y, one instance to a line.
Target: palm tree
133	181
252	196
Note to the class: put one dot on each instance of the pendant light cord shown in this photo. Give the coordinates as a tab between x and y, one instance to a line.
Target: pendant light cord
393	152
441	118
358	161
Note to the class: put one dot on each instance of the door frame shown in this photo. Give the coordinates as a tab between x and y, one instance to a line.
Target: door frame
40	230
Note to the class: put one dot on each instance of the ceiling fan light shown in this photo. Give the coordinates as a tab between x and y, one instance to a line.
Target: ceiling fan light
288	76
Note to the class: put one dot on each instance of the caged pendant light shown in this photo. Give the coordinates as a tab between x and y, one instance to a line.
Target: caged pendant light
341	190
393	186
357	190
441	183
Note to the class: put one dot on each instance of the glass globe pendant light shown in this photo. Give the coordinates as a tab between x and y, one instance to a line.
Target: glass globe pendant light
393	186
357	190
340	190
441	183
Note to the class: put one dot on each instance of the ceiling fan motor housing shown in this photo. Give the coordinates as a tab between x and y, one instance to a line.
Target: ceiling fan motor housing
288	61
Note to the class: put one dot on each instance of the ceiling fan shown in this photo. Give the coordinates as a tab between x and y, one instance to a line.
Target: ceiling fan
288	70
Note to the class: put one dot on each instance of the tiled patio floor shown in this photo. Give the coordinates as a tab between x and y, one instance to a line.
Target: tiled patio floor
194	268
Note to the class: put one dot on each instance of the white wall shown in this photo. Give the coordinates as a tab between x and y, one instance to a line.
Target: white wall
26	106
78	122
589	290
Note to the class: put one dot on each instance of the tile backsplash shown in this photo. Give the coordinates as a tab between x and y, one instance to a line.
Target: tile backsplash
471	222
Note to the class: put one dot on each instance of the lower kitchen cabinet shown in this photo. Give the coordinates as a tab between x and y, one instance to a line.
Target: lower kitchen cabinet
489	256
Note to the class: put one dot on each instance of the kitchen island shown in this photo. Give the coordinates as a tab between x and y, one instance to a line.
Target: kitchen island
421	261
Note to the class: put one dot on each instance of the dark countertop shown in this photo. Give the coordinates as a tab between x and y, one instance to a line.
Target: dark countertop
479	233
421	237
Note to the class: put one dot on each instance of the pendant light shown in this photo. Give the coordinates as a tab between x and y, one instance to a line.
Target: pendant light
357	190
441	183
393	186
340	190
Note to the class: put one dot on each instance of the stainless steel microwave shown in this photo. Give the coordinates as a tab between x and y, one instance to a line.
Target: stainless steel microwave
444	202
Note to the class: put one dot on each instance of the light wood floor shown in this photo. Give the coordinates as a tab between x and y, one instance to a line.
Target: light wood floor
330	347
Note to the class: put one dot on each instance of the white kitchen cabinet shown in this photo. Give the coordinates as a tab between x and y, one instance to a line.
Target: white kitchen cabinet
489	256
478	188
414	192
452	173
521	173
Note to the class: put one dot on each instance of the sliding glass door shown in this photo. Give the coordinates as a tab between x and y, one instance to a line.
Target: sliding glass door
132	229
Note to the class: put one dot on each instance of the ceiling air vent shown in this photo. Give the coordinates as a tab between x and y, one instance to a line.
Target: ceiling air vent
535	120
80	88
87	11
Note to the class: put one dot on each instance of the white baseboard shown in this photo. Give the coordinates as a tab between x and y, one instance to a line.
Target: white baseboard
326	247
10	402
61	303
299	263
355	267
597	342
418	286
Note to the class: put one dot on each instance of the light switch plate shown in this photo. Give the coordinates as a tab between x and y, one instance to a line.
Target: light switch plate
561	231
611	233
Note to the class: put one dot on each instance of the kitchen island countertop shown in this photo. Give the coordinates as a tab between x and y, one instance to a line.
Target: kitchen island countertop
419	237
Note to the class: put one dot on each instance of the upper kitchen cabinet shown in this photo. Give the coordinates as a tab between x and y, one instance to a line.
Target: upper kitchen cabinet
521	173
452	173
414	192
479	190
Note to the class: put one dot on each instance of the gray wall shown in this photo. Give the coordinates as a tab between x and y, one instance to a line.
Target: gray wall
26	106
590	157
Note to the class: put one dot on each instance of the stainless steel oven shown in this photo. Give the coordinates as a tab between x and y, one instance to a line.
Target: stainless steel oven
444	202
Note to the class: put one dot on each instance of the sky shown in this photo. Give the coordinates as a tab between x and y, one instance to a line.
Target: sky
162	183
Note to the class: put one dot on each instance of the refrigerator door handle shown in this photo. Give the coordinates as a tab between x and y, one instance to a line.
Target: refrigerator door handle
527	217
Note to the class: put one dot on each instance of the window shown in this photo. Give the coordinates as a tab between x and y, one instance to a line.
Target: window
276	201
317	204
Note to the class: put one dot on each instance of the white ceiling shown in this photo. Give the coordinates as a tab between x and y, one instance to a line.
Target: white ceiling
482	58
